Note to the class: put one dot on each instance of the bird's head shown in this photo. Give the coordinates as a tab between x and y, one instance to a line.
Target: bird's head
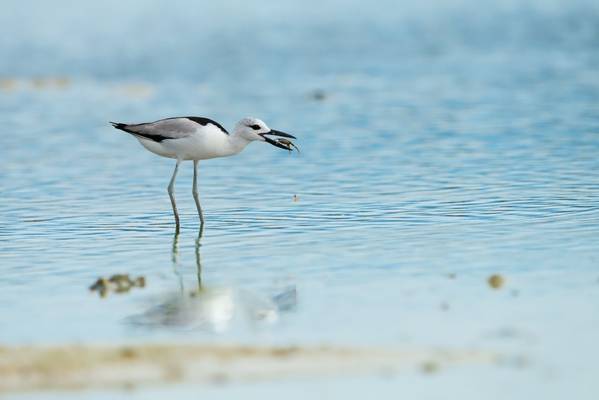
255	129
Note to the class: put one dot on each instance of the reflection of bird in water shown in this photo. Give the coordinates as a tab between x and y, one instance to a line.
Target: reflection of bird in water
213	309
197	138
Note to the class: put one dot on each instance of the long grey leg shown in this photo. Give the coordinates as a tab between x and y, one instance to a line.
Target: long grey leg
171	194
196	196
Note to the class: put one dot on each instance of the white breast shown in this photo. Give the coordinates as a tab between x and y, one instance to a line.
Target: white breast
205	143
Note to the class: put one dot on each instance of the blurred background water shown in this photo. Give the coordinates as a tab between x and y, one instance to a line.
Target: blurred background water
442	142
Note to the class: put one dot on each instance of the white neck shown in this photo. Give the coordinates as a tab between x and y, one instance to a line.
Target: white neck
235	144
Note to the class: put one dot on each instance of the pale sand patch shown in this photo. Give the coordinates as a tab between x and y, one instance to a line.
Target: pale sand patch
89	366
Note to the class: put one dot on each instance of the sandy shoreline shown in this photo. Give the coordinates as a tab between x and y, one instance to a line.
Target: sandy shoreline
126	366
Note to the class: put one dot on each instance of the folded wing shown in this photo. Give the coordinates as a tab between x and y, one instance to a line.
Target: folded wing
164	129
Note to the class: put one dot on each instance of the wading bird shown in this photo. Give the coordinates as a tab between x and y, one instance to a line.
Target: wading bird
197	138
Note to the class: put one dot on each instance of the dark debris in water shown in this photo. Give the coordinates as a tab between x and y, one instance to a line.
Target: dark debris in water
118	283
429	367
496	281
318	95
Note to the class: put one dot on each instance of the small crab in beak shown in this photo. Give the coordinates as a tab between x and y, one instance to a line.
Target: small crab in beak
284	144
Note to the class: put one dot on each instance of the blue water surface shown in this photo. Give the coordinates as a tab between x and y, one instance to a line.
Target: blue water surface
441	143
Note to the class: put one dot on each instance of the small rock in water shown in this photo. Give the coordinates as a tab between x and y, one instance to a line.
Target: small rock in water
430	367
496	281
140	282
319	95
118	283
101	286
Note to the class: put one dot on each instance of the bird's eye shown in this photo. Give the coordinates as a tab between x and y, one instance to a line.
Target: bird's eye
255	127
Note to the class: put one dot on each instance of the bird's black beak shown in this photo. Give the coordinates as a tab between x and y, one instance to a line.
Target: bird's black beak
274	142
279	133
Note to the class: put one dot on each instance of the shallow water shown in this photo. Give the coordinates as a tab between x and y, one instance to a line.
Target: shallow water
439	146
